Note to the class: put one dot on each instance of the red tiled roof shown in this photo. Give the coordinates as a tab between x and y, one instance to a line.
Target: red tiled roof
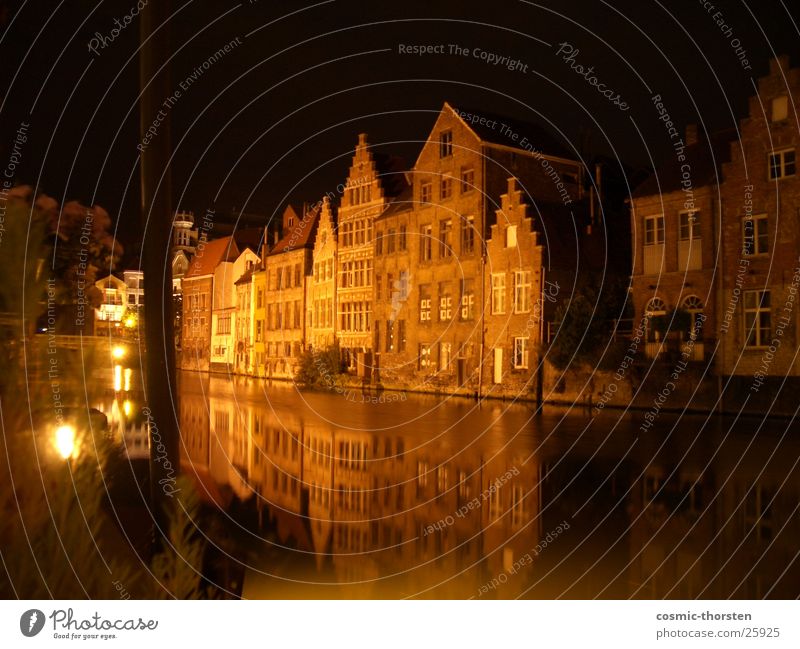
210	256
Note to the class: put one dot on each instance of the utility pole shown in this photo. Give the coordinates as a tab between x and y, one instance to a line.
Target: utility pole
156	216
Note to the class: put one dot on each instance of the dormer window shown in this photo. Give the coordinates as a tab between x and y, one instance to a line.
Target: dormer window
780	108
446	144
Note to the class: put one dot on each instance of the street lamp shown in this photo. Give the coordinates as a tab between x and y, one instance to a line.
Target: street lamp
64	440
118	352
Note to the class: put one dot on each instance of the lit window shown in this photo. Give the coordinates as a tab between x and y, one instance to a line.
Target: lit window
511	236
521	353
424	356
757	318
522	291
781	164
780	108
498	293
445	308
445	352
467	299
424	304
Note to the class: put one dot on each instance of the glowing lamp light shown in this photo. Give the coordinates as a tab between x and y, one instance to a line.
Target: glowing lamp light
118	352
65	441
126	408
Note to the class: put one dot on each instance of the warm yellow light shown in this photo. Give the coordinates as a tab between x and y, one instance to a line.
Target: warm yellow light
130	321
65	441
117	378
128	373
126	408
118	352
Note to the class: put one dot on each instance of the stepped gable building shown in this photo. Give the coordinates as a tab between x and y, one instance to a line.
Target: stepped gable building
372	182
759	279
431	264
198	288
675	226
321	297
287	267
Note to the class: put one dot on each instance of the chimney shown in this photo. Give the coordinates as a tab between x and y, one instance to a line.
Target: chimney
778	64
362	139
691	135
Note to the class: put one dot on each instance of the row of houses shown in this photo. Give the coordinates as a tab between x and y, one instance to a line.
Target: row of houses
451	272
444	273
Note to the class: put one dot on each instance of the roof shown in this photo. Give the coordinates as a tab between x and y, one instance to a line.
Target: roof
402	203
211	255
251	238
540	139
301	235
705	167
245	278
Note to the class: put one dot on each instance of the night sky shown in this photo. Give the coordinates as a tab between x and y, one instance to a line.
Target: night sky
277	117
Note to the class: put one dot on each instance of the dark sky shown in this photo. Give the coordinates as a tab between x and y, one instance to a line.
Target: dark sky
276	119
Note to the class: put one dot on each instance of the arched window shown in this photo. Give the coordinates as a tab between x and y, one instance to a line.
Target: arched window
655	307
693	305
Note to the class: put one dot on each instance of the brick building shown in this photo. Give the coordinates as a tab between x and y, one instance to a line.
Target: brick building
198	286
434	255
675	227
758	283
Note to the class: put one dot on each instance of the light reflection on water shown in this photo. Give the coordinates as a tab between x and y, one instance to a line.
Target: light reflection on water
326	496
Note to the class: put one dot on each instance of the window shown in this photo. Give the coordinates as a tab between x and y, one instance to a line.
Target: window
511	236
755	235
521	353
425	192
424	356
689	226
297	275
446	188
781	164
467	299
757	318
467	180
401	241
377	286
445	144
780	108
467	235
224	325
390	242
445	242
445	353
390	286
445	305
424	304
426	243
522	291
653	230
498	293
379	243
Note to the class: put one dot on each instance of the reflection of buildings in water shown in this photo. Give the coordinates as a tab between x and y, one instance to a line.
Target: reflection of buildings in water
728	531
366	506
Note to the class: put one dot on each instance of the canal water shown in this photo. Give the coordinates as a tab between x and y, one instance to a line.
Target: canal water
330	495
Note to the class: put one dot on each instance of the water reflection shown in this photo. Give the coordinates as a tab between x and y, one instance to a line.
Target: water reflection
329	497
